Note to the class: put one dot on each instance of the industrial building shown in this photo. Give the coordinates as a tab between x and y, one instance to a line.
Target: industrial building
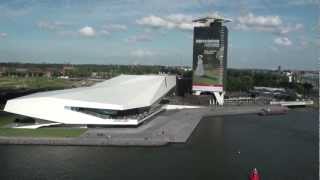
123	100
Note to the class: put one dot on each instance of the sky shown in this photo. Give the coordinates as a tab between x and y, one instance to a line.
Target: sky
263	34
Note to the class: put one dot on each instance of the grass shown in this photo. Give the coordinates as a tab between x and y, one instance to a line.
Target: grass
5	120
41	132
33	83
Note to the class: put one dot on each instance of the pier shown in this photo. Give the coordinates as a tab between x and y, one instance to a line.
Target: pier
172	126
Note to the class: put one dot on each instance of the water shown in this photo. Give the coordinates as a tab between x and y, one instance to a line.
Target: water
282	147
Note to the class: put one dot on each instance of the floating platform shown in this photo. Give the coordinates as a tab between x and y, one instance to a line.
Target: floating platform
292	103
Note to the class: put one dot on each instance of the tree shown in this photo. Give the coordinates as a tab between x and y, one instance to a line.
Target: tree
307	88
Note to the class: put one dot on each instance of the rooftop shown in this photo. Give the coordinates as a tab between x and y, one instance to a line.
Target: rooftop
121	92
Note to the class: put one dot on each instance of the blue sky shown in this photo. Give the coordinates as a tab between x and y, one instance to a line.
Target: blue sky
263	34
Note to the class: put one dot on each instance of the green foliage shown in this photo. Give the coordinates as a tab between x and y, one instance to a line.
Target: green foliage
307	87
243	80
33	83
107	71
239	80
6	119
302	88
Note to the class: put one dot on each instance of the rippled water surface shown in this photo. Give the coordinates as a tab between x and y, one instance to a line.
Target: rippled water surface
224	148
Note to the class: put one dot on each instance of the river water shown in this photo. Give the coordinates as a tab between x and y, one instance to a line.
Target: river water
282	147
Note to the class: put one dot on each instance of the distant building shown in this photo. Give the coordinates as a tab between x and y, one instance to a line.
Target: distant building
279	69
52	72
37	72
290	76
94	74
48	74
66	68
2	70
21	70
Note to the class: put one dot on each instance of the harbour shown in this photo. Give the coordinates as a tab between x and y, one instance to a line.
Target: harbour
159	90
282	147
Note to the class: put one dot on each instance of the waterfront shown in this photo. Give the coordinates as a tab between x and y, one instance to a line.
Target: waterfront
281	147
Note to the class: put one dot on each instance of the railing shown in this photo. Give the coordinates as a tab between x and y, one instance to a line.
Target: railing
246	100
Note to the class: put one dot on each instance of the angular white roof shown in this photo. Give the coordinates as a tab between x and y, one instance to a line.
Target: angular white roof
119	93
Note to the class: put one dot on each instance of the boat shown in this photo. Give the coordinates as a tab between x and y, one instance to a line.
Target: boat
273	111
254	174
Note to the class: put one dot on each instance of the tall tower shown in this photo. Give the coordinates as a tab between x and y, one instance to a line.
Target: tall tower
210	50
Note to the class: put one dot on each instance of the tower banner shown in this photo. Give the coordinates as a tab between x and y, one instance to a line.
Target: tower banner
208	58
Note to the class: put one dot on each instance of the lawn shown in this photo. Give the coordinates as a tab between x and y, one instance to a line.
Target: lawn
6	119
33	83
42	132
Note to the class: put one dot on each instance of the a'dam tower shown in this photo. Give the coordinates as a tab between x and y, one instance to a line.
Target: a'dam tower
210	50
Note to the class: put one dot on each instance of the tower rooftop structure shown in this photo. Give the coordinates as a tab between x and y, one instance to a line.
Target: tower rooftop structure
212	19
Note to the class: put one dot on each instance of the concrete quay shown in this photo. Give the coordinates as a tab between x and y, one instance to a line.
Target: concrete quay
172	126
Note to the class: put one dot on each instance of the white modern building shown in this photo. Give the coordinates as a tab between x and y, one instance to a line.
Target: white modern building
123	100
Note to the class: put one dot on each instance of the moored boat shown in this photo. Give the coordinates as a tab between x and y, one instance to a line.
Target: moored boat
273	111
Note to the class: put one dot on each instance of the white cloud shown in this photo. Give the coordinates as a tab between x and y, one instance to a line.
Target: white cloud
105	32
282	41
3	35
48	25
87	31
108	29
258	23
207	2
140	53
156	22
303	2
116	27
67	33
174	21
272	24
14	12
139	38
180	18
177	21
251	20
289	28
